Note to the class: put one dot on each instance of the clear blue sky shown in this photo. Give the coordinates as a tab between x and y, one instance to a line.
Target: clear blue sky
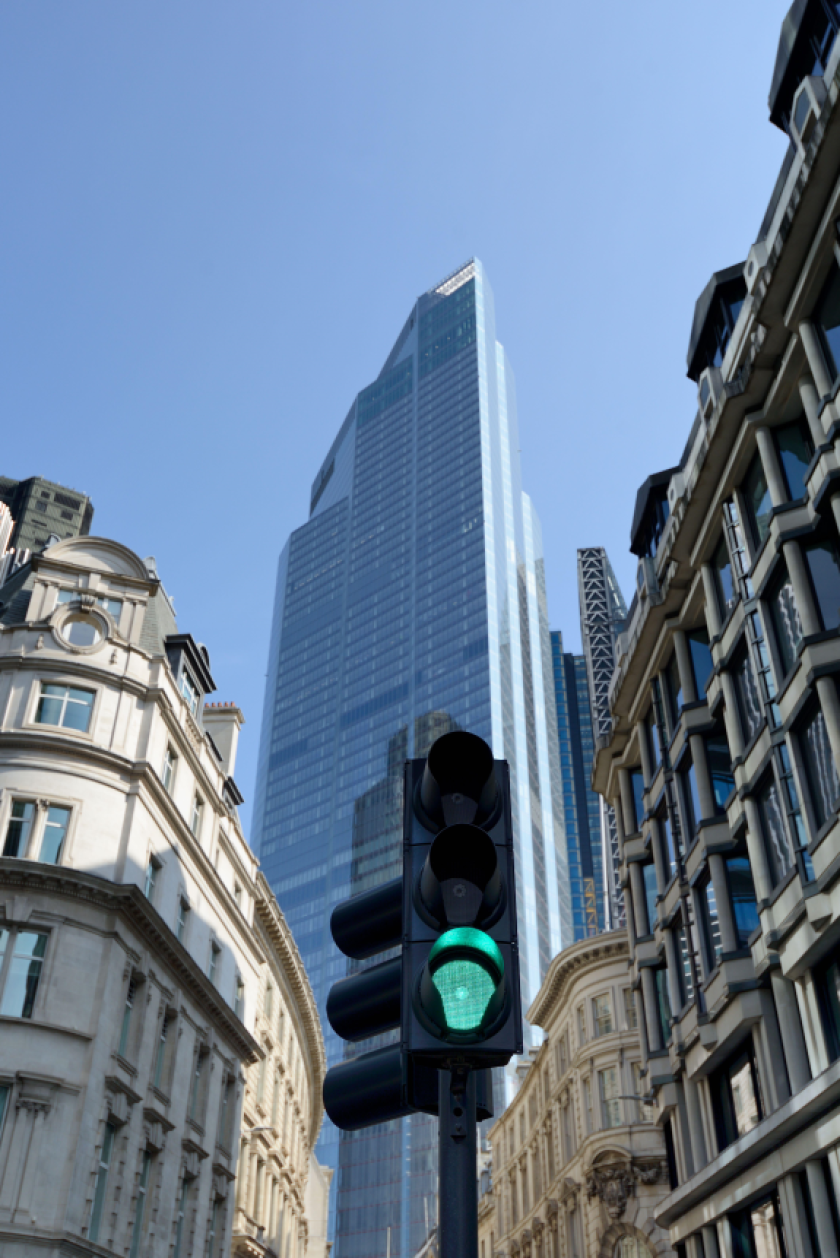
216	217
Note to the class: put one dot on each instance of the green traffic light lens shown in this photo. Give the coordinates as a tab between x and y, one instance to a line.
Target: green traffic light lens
466	968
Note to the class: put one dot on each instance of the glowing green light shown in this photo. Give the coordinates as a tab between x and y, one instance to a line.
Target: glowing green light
466	967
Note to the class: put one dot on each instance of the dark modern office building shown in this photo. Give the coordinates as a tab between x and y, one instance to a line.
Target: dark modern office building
410	603
581	805
44	512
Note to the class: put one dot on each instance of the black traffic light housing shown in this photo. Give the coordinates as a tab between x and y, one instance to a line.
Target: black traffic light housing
460	967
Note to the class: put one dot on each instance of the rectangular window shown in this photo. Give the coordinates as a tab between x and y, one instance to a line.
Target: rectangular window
691	801
758	1232
631	1015
140	1207
190	691
183	918
669	852
749	700
170	761
239	998
602	1015
19	828
65	706
197	1090
23	952
674	692
179	1220
711	925
702	664
827	318
757	501
787	625
651	897
790	799
131	996
151	878
214	961
637	782
226	1113
820	770
609	1092
685	977
776	840
719	760
581	1021
101	1181
161	1055
653	741
587	1106
214	1223
724	582
269	1002
663	1003
195	818
55	832
736	1096
796	450
742	895
763	667
824	569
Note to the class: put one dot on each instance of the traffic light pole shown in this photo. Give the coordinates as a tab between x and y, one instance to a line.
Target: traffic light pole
458	1186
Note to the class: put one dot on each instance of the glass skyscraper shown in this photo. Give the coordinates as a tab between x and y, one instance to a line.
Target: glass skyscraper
410	603
581	805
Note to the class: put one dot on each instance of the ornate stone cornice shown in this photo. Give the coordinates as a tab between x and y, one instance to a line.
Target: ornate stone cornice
129	902
568	964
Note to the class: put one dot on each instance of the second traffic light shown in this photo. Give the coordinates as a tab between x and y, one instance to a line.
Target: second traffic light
460	965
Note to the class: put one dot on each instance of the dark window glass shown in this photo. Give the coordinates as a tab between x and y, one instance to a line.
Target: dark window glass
757	499
691	802
638	782
711	925
663	1003
785	616
670	1154
673	688
796	449
758	1232
790	798
719	760
669	850
701	659
827	319
685	978
742	894
761	658
827	979
736	1096
824	567
651	892
820	770
775	832
723	577
749	702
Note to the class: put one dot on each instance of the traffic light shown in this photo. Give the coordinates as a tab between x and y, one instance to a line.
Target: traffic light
384	1083
454	990
460	970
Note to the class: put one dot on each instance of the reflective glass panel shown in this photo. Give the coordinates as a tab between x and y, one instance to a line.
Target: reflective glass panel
742	894
55	830
720	769
775	832
701	659
820	768
24	972
785	616
827	318
757	498
651	893
793	441
723	575
824	567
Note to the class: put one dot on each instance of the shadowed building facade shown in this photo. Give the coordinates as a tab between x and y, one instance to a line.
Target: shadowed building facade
411	602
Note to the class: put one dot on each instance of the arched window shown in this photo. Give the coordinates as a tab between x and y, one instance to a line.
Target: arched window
631	1247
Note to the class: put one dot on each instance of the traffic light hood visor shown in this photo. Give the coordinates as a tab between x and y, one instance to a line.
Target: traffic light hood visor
460	884
459	780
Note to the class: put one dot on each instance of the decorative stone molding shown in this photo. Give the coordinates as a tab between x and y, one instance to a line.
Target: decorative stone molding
614	1184
652	1171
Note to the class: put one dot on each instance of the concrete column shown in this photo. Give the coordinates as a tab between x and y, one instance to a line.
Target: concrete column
663	872
731	717
771	1054
724	1238
711	1248
811	406
726	919
713	620
684	668
757	855
798	573
684	1149
651	1008
694	1246
701	772
637	890
830	704
822	1210
796	1221
835	507
816	359
695	1124
790	1028
770	464
628	807
674	960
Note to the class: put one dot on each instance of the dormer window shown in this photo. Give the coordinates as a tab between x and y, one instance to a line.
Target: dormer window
190	664
804	49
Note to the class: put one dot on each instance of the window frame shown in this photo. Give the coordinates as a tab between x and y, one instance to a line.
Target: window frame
7	958
37	694
727	1132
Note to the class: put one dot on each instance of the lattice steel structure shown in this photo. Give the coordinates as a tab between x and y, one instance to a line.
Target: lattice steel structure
602	616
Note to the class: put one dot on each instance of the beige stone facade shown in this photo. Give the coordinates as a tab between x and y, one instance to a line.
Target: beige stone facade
579	1166
137	939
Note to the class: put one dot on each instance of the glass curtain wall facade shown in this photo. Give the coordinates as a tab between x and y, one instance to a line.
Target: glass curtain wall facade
581	805
602	616
412	602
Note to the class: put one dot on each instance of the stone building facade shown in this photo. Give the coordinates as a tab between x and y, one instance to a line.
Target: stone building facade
579	1166
723	755
134	927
